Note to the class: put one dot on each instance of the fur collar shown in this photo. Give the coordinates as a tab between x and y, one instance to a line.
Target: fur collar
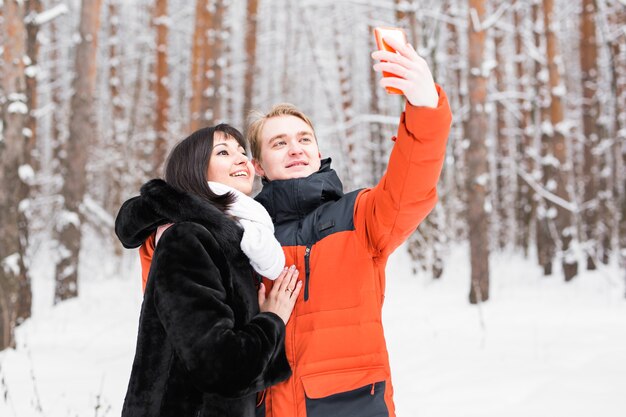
159	203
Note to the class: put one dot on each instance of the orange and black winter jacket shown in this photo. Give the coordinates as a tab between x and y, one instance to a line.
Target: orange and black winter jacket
340	243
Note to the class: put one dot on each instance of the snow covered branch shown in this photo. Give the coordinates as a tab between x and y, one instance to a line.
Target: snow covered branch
540	190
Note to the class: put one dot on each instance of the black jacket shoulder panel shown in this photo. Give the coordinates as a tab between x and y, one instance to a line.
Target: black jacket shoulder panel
327	219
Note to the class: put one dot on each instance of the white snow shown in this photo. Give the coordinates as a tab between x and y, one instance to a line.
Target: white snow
539	347
17	107
11	264
26	173
31	71
50	14
68	217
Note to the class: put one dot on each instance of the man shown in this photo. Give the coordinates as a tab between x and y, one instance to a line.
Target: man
340	243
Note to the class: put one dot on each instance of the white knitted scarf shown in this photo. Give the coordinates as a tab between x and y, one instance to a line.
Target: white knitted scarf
258	241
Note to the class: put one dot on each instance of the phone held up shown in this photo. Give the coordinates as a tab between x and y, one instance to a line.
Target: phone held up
389	32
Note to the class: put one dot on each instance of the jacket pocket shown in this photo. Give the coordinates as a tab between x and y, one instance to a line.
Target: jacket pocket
354	393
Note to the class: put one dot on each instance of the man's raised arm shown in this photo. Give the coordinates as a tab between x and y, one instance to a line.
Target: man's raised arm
388	213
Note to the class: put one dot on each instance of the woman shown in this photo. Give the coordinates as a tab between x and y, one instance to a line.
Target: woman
208	341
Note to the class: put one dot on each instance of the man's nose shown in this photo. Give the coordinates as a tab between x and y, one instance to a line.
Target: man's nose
295	148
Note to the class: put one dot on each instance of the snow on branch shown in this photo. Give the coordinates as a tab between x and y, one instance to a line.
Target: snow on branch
96	214
11	264
541	191
48	15
489	20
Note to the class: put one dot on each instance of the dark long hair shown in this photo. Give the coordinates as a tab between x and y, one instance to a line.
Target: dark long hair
187	164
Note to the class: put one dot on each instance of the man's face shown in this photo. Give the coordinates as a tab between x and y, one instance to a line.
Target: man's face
288	149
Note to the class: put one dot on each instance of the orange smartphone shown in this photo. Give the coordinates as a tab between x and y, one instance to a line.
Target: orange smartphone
388	32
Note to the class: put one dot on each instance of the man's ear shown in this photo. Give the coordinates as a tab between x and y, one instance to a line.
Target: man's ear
258	168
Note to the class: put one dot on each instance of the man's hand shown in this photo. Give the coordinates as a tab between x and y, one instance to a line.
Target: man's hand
414	77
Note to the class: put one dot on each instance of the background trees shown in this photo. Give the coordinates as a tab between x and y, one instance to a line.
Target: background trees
95	93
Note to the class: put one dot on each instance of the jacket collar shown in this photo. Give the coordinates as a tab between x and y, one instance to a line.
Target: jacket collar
292	199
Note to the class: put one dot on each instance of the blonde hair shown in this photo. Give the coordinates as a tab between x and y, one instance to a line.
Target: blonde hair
257	119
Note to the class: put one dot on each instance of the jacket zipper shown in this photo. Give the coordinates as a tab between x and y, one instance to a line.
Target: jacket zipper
307	272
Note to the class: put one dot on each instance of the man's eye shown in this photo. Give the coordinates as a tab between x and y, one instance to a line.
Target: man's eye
306	139
279	143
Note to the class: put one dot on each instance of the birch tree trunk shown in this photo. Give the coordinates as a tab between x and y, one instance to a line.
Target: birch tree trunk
81	130
13	170
476	157
558	169
161	90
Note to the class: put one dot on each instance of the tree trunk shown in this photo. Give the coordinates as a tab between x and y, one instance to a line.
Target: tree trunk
343	58
526	205
13	170
81	132
250	46
558	169
617	19
33	7
161	90
211	102
476	157
377	137
590	113
458	78
502	196
546	249
198	49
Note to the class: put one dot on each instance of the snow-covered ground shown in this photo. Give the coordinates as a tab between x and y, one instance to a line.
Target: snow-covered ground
539	347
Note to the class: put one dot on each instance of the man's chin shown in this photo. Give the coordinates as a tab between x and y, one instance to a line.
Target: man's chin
294	174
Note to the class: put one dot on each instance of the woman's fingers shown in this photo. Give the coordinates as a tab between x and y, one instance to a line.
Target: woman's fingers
278	281
287	278
296	291
261	294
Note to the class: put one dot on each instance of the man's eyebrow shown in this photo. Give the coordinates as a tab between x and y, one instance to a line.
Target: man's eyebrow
304	132
279	136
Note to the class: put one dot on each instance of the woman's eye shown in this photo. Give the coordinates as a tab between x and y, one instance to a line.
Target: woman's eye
223	152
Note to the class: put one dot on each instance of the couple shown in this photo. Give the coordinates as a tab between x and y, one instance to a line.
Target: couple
307	341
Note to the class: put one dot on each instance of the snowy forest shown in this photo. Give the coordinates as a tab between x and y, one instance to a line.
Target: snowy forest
94	93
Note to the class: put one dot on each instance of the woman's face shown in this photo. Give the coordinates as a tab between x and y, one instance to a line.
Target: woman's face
229	164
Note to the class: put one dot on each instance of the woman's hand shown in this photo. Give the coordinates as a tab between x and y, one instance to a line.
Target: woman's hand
283	295
414	78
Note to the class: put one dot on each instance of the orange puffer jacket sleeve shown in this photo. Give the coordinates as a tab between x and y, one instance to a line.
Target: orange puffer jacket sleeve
145	256
388	213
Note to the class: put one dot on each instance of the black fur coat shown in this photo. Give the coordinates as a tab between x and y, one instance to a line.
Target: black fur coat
203	348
